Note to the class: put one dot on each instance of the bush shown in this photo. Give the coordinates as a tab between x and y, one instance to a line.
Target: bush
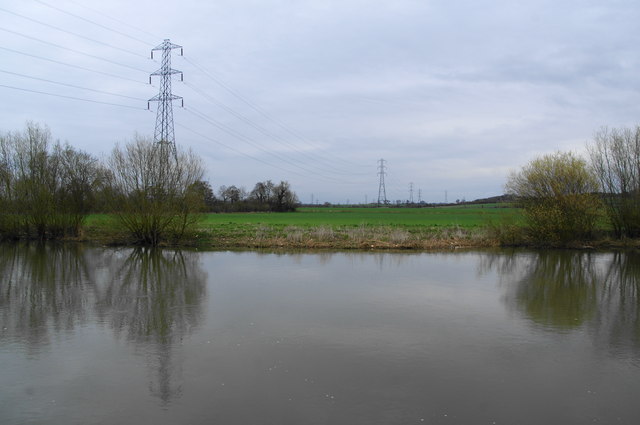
558	195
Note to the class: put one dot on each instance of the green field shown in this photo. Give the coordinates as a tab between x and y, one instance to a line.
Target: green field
337	228
453	216
347	228
450	216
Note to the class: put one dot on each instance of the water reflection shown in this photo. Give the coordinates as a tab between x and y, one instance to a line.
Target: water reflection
568	290
151	296
45	287
382	260
154	299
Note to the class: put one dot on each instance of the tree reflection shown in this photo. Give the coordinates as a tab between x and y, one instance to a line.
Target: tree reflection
558	289
155	299
151	296
44	287
564	290
619	320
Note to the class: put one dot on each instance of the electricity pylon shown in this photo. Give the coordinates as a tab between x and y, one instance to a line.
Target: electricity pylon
382	191
164	135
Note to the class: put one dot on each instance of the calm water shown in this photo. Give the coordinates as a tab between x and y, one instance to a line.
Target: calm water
129	336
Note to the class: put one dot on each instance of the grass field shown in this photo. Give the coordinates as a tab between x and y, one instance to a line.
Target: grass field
340	228
461	226
454	216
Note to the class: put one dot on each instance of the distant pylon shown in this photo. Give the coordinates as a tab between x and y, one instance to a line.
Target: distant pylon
164	134
382	191
411	193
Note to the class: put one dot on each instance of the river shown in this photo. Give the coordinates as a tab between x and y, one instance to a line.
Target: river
97	335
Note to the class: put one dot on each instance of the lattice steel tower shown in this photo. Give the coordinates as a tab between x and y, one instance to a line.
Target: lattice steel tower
164	134
382	191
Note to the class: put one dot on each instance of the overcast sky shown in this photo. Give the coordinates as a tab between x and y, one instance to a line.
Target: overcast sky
451	94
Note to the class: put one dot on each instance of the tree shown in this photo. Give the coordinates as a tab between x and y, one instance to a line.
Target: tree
615	157
558	196
231	194
151	193
262	192
284	199
46	189
202	189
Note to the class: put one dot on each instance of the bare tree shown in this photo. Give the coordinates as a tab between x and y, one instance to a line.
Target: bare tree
152	194
46	189
615	157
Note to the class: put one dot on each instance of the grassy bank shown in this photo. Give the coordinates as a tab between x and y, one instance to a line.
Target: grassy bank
356	228
335	228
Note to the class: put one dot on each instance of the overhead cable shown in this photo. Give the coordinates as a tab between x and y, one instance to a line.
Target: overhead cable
91	22
101	13
262	112
71	85
73	66
307	172
72	97
72	50
269	134
70	32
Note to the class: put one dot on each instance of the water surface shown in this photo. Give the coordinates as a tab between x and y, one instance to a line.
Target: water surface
102	335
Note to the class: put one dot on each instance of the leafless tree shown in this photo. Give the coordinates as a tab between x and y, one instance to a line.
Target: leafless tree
152	194
615	157
46	188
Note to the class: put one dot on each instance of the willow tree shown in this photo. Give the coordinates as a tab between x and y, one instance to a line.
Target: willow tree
46	188
558	193
151	193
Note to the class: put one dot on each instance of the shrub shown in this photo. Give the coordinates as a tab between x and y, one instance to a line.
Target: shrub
558	195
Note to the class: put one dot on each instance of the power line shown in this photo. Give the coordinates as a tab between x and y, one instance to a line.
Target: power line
101	13
71	65
307	172
90	21
211	139
71	97
70	85
69	32
263	112
266	132
255	144
71	50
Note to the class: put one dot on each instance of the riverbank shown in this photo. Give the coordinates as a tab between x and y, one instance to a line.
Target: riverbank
361	237
250	235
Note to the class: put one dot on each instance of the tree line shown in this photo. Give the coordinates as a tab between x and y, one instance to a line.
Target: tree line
47	189
565	197
265	196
